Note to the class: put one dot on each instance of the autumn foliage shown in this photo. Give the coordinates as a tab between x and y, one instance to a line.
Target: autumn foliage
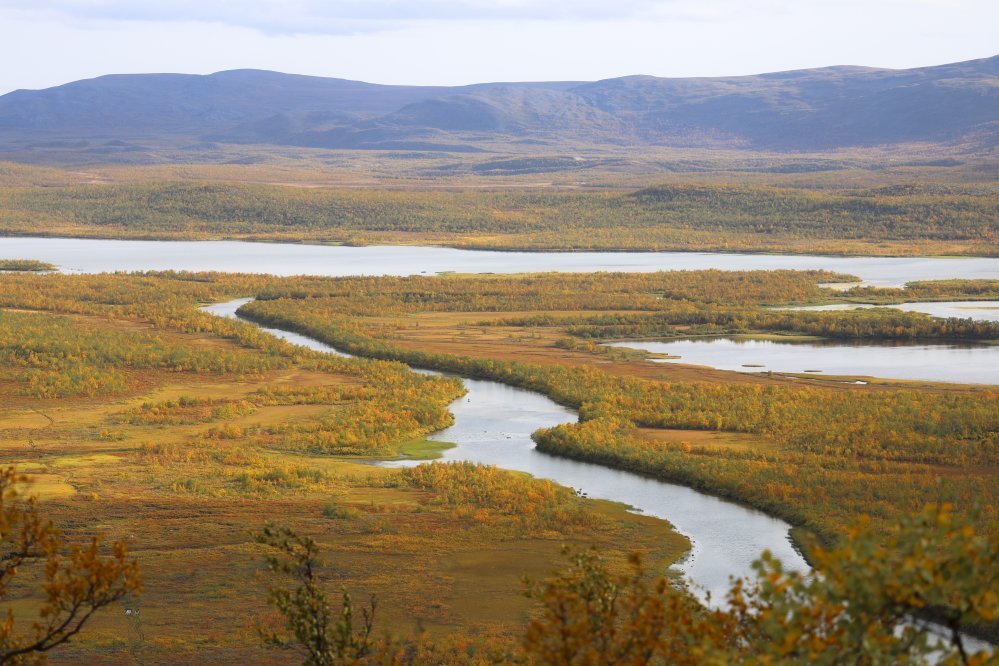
77	580
861	606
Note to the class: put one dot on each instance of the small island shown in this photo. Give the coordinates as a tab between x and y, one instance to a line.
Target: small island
26	265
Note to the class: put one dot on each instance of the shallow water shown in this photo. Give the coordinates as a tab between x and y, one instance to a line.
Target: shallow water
96	256
966	364
493	425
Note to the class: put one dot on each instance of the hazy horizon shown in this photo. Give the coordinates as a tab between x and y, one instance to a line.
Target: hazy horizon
493	81
456	42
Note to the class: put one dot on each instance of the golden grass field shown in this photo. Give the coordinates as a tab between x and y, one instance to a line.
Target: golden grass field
187	466
190	516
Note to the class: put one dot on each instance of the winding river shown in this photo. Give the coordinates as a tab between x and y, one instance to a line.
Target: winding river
493	422
493	425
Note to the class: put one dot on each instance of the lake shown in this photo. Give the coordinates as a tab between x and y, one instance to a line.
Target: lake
977	310
96	256
966	364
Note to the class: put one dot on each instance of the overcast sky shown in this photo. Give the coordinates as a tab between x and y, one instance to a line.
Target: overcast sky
48	42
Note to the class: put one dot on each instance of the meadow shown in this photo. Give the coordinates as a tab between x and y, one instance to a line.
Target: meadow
818	452
142	417
187	433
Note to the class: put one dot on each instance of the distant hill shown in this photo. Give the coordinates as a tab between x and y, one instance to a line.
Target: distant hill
804	110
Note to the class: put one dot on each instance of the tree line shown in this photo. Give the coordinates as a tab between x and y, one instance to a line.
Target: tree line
678	216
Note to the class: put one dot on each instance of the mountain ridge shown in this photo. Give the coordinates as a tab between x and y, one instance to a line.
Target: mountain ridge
793	111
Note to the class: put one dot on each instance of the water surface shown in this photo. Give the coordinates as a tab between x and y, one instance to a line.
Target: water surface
97	256
966	364
493	426
977	310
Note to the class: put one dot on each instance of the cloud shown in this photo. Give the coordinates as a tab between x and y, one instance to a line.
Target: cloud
340	16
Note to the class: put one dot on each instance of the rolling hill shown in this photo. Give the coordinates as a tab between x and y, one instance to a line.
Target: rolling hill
797	111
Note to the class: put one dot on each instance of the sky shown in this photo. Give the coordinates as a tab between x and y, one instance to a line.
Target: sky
451	42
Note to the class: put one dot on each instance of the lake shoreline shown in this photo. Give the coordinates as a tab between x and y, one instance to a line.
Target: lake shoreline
954	363
94	255
508	249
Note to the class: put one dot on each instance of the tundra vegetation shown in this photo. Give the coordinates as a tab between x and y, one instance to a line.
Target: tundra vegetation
883	210
136	415
77	579
883	449
25	265
863	608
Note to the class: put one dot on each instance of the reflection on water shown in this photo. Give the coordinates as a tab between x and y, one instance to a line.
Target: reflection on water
493	425
96	256
966	364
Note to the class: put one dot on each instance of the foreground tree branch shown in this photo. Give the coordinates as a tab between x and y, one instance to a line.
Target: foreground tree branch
859	607
325	636
78	580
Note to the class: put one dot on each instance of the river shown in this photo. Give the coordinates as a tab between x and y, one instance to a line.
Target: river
493	425
726	537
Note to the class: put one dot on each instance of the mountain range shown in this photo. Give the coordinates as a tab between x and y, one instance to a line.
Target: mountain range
795	111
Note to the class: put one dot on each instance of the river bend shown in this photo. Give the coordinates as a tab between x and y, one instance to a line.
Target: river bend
493	426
